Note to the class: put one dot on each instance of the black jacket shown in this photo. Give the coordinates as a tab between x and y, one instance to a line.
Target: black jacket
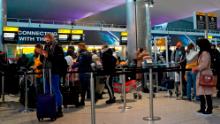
108	61
84	61
55	59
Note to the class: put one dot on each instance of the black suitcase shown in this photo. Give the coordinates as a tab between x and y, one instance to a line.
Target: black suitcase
70	93
46	104
70	96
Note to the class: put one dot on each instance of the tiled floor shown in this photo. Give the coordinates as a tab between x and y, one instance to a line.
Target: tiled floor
170	110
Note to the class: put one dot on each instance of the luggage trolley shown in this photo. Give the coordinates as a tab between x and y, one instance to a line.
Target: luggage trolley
131	86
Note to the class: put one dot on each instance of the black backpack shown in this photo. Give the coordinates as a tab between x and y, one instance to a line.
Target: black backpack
63	67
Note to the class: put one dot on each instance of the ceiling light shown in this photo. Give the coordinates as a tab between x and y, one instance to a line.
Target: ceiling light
149	3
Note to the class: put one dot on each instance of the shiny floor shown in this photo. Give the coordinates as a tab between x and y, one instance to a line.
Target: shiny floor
171	111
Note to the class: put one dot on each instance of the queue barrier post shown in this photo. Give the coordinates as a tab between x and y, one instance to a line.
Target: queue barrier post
3	87
26	93
123	80
181	83
151	116
92	92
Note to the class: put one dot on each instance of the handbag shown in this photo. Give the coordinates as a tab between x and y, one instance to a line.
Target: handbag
207	80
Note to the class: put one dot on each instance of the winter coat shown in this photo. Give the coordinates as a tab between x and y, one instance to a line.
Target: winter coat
204	63
108	61
84	62
55	59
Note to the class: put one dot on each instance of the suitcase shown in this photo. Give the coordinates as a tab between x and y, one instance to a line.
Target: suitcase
71	92
46	104
70	96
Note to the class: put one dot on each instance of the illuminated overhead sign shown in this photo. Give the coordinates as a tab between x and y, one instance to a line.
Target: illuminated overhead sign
34	35
205	20
64	31
212	21
77	31
200	20
124	34
124	38
10	29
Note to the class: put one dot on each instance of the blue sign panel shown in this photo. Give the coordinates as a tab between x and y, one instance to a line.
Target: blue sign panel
34	35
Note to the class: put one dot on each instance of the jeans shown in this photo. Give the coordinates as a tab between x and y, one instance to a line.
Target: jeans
191	81
55	89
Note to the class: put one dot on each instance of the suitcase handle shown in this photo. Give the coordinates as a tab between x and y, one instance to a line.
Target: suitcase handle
44	80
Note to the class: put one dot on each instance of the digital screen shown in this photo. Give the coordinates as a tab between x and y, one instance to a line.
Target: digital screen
102	37
76	37
9	35
124	38
63	37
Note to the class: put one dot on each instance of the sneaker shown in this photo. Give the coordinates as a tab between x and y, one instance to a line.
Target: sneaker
59	112
110	101
170	93
201	111
207	112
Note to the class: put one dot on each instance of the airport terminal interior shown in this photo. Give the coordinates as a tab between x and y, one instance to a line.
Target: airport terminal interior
110	62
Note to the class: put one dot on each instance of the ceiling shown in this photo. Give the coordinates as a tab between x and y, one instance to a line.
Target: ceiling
58	9
105	11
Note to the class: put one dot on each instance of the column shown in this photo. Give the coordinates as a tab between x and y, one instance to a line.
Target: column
131	28
3	20
138	27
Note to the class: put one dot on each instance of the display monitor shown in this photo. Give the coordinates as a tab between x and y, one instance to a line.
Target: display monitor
63	37
76	37
9	36
124	40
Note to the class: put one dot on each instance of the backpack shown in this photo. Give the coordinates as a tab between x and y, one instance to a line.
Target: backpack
63	67
215	60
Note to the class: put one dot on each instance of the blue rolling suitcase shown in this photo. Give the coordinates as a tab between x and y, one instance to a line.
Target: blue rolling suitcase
46	104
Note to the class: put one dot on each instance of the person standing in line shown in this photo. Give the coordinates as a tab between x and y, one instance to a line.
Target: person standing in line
179	56
70	61
37	67
141	56
109	64
204	67
84	62
191	58
54	59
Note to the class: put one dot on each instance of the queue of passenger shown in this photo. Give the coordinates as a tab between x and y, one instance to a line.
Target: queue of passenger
52	56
